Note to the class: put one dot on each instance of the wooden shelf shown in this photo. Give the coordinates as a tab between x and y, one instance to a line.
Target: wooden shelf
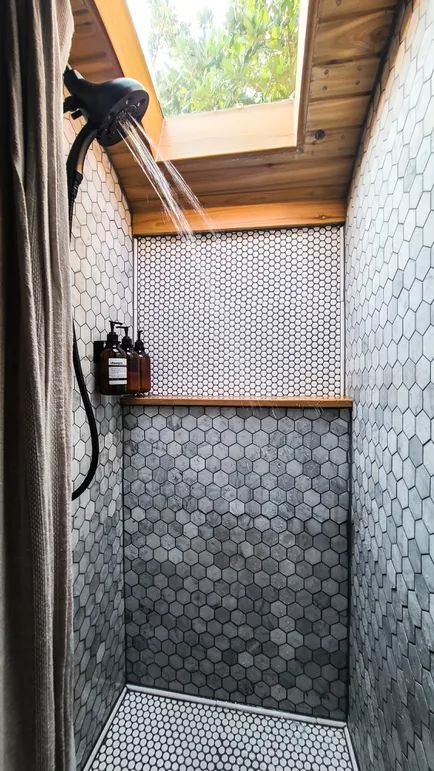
241	401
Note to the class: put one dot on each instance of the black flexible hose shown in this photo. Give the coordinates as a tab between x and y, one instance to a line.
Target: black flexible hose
74	167
90	419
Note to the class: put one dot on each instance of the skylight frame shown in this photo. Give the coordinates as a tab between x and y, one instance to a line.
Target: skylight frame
233	131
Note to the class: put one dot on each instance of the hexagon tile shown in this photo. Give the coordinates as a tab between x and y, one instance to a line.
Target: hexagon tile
390	362
236	554
155	733
102	277
275	293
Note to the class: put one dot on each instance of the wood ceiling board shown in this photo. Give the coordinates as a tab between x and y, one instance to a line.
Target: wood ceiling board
271	177
337	113
343	79
334	143
224	162
285	195
337	143
338	9
248	217
353	38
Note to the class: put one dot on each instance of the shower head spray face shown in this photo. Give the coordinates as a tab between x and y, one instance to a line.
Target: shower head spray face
106	106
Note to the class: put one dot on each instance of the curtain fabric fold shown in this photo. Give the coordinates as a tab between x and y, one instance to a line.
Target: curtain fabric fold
36	652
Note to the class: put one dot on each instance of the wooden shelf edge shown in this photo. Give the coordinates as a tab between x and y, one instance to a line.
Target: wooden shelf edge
240	401
246	217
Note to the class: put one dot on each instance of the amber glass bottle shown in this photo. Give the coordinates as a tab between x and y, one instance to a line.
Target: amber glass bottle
133	364
112	366
145	364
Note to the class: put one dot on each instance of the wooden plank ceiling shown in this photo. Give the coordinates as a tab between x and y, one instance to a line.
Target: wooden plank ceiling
347	39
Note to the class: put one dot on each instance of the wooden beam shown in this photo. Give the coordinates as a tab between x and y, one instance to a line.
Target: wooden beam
126	45
319	402
253	217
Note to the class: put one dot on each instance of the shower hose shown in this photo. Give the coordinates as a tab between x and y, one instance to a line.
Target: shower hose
90	419
74	167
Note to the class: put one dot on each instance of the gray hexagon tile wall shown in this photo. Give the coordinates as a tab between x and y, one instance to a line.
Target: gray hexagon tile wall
102	276
236	554
390	359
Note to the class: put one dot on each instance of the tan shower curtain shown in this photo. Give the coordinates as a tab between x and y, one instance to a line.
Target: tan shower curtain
35	392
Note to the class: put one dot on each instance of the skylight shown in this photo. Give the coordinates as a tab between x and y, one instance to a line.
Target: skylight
209	55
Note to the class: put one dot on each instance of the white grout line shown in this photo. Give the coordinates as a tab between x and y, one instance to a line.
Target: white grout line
239	707
351	749
103	734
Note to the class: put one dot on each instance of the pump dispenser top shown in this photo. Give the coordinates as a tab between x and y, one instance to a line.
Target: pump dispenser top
139	345
112	336
145	363
133	362
112	365
127	342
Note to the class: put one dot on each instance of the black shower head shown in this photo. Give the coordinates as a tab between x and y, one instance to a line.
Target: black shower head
105	105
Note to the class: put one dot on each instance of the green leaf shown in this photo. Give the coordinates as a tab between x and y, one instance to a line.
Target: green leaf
250	59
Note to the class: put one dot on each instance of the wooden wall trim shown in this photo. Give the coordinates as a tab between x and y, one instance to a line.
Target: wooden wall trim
253	217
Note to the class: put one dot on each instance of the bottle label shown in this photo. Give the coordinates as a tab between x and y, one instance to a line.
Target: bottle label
117	371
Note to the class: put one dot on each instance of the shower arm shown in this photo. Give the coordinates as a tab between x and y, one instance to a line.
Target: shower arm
74	171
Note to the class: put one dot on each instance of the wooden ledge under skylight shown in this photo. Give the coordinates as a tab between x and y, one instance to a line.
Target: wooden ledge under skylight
319	402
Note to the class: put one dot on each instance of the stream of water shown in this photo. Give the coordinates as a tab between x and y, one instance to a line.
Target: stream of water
139	143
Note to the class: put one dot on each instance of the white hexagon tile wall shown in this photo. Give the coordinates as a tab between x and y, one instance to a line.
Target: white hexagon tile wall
390	360
102	276
247	314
